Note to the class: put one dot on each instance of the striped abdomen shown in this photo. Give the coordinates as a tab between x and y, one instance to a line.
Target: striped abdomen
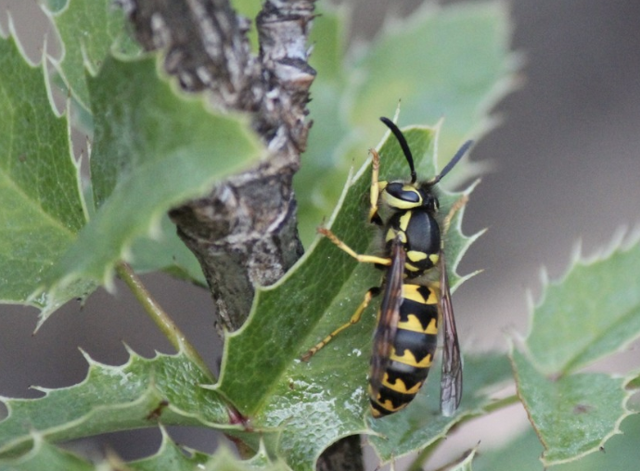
414	345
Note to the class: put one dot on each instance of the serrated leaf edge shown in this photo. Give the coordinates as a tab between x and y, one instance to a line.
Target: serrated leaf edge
150	390
37	299
626	412
622	241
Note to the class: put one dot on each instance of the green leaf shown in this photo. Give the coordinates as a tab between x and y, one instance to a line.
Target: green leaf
87	31
42	208
224	460
140	393
592	312
318	402
621	452
172	457
573	415
153	149
444	62
42	456
451	62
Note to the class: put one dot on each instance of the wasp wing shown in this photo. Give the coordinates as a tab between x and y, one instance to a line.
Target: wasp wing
451	379
387	317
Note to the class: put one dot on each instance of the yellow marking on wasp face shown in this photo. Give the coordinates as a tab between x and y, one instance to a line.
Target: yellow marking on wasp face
434	257
399	385
392	201
375	413
404	220
409	359
416	256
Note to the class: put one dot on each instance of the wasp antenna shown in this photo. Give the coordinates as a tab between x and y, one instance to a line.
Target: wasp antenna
403	144
456	158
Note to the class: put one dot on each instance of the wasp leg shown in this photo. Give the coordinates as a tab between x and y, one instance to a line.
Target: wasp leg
354	320
457	206
374	217
386	261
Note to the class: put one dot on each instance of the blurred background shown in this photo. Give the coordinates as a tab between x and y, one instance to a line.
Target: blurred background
565	168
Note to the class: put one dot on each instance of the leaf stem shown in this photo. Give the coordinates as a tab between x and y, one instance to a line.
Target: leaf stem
161	318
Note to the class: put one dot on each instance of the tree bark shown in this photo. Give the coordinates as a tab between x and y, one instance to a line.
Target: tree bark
244	233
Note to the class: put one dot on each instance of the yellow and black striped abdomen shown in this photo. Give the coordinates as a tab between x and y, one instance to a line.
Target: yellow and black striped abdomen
414	345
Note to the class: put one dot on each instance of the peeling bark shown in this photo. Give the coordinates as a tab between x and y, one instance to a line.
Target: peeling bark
244	233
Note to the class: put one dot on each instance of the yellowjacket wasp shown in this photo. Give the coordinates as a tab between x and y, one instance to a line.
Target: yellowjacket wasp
405	339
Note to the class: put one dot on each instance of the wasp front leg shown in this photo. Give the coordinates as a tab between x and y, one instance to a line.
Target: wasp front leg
376	187
354	320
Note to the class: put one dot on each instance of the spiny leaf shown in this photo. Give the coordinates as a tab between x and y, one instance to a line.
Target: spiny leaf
620	453
87	31
42	208
449	62
140	393
153	149
224	460
592	312
573	415
465	67
171	456
318	402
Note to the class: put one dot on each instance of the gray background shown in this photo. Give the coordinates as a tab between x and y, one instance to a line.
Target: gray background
565	168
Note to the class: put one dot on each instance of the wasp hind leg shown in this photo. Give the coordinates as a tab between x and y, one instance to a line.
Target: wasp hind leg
354	320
